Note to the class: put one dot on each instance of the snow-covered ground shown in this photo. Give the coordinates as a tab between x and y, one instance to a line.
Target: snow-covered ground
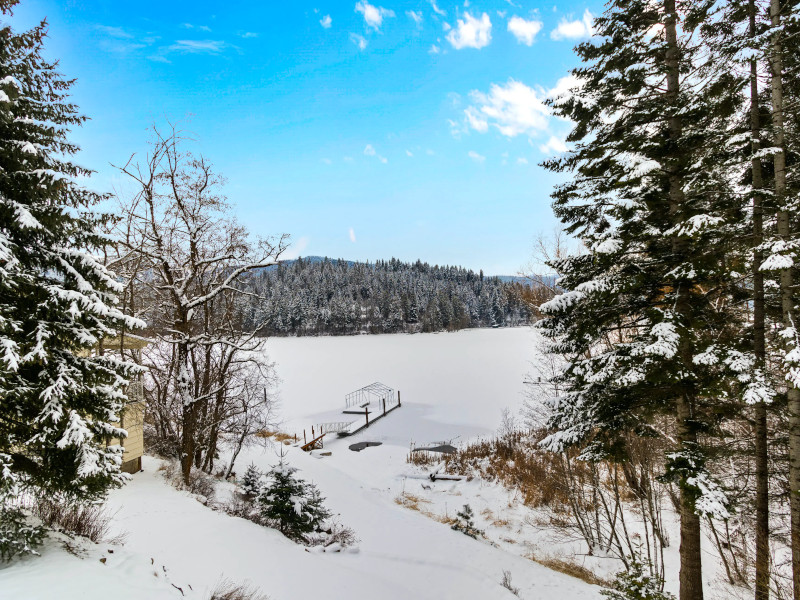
454	386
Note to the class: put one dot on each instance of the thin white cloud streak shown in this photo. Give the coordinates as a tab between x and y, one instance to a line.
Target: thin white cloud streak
197	46
478	158
352	234
436	9
359	40
416	16
326	21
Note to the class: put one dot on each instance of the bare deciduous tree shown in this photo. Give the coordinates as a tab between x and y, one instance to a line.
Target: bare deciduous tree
184	258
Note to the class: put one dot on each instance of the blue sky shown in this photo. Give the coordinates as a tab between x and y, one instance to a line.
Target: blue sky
365	130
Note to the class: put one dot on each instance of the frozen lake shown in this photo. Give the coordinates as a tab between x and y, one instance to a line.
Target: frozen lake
452	384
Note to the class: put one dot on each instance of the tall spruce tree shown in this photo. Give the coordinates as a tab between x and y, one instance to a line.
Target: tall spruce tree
59	398
782	248
644	317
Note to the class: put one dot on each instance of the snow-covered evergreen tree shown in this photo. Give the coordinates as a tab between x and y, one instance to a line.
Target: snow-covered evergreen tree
643	319
637	583
465	522
253	481
293	505
59	397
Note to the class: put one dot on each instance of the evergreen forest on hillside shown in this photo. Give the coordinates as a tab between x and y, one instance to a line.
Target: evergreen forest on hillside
321	296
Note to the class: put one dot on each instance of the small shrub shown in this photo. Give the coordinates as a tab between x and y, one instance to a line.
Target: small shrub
465	524
17	536
241	506
230	590
91	521
200	482
335	534
506	583
293	505
637	583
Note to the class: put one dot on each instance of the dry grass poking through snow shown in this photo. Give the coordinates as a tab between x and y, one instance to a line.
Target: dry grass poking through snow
569	568
515	461
278	436
416	503
230	590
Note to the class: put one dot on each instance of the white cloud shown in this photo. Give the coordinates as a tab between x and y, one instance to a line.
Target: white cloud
553	146
352	234
373	15
514	109
522	161
327	161
471	32
326	21
117	32
415	15
475	120
358	40
409	153
476	157
248	35
198	27
574	30
436	9
197	46
524	31
295	249
434	49
369	150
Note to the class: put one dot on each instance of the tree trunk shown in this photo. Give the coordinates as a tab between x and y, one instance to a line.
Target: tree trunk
786	280
691	580
759	345
188	412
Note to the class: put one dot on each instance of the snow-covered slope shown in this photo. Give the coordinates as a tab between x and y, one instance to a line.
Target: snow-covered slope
453	385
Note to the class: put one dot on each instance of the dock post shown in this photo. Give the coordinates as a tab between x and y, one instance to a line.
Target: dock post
384	405
366	414
398	397
304	437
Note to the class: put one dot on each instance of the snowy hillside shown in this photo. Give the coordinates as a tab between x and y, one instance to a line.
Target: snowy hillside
173	540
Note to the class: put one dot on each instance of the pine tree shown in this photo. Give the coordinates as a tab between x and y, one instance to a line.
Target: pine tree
640	319
59	397
465	524
637	583
295	506
252	482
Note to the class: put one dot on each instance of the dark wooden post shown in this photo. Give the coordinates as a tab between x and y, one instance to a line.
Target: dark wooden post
398	397
304	437
384	405
313	435
366	414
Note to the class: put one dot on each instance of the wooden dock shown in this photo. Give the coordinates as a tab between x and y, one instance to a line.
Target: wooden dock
358	425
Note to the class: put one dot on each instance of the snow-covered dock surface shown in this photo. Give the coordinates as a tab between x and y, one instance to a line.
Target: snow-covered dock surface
453	386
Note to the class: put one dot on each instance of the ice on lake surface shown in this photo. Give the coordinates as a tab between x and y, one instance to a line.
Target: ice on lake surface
452	385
